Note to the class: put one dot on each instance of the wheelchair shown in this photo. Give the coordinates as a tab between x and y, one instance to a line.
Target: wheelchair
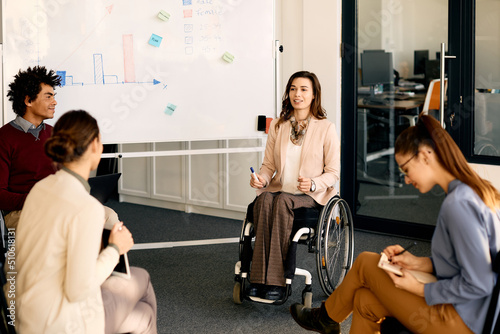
328	232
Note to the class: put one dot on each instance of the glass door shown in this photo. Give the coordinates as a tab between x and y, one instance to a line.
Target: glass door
399	58
487	79
391	72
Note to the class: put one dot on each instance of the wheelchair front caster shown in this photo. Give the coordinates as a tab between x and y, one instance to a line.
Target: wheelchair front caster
237	293
307	297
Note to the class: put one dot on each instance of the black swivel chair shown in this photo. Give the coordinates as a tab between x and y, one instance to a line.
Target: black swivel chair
393	326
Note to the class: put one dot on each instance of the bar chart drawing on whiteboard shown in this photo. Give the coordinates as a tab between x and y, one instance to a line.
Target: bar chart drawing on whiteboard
100	78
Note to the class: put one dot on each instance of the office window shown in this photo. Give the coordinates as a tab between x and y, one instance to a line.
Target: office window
487	79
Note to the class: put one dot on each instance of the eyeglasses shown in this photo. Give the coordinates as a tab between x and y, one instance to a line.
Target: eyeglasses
407	161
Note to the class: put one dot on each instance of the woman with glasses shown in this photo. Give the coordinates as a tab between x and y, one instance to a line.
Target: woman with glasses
466	237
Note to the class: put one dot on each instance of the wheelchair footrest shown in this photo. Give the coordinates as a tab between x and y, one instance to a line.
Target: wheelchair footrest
262	300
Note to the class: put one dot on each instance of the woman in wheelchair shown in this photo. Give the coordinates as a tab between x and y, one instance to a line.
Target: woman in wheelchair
466	237
300	168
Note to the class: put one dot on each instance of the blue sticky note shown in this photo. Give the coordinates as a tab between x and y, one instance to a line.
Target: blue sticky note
155	40
169	110
187	2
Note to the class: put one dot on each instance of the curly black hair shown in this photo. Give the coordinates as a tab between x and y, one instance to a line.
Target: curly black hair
28	83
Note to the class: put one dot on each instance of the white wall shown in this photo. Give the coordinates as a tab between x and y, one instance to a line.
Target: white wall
489	172
310	34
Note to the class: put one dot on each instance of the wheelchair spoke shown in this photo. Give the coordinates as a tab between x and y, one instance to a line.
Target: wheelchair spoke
335	246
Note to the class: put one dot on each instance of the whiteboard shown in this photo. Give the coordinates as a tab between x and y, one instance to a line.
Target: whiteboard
144	78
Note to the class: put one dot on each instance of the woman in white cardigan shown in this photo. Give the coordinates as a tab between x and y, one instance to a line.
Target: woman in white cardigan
63	282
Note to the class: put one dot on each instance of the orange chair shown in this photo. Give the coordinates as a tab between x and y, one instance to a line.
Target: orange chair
432	96
431	100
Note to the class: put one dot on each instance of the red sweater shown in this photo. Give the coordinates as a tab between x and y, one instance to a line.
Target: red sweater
22	163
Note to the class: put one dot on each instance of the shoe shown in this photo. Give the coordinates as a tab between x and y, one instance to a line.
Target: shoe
255	290
314	319
275	292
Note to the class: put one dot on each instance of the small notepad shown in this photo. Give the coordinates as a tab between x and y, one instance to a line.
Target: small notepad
421	276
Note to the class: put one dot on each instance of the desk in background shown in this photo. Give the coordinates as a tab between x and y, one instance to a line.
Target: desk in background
386	110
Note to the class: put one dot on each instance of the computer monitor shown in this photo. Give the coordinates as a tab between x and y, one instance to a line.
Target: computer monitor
419	58
376	68
432	71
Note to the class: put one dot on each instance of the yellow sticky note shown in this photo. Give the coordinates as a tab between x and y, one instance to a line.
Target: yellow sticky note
228	57
163	15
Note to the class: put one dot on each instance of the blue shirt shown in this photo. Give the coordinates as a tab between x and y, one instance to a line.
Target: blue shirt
466	238
26	126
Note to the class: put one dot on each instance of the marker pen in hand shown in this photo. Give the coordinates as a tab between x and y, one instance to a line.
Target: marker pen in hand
254	175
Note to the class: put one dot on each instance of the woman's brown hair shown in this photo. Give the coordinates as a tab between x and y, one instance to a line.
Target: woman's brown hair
71	136
428	131
316	108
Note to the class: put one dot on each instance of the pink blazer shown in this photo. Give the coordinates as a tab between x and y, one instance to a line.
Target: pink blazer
320	158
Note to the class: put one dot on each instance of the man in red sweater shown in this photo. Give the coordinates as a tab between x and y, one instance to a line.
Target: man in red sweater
22	156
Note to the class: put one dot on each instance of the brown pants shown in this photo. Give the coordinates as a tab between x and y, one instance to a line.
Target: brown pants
273	222
369	293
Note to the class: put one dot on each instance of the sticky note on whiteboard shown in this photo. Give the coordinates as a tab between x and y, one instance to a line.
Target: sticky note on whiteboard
169	110
155	40
228	57
163	15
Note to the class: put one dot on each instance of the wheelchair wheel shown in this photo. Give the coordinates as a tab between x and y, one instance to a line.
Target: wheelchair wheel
334	244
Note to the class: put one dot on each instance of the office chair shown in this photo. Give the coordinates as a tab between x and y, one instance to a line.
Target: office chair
431	100
393	326
432	96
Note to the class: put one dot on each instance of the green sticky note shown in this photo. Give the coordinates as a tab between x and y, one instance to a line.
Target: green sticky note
169	110
163	15
228	57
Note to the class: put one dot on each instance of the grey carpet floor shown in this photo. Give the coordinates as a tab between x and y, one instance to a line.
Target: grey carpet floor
194	284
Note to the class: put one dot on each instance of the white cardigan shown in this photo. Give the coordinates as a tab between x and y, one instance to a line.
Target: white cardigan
59	267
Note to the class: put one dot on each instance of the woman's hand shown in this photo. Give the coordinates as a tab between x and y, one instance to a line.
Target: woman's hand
121	237
407	260
261	183
407	282
304	184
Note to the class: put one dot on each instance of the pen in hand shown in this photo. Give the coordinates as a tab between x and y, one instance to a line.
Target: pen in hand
254	175
404	250
407	248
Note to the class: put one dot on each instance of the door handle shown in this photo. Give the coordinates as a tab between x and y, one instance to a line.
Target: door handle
442	58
